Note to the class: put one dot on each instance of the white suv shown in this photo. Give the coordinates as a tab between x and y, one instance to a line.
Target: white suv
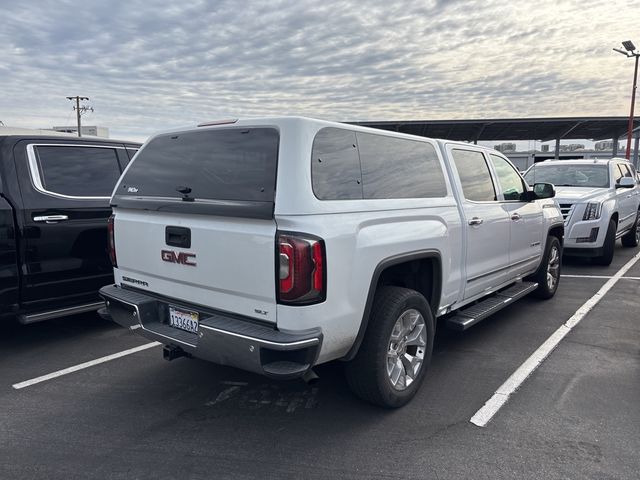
599	200
277	244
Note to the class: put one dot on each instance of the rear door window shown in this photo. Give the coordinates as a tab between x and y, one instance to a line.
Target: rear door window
76	171
235	164
474	174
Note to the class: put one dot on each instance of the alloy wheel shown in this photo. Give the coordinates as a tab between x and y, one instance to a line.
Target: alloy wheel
553	267
406	350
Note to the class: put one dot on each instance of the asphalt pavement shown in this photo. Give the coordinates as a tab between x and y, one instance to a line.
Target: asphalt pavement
138	416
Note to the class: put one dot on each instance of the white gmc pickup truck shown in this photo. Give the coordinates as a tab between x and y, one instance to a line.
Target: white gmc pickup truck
277	244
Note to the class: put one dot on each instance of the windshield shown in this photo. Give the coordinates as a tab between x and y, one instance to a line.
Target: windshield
572	175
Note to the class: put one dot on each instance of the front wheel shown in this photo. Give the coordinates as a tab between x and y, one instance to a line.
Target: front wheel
609	245
396	349
632	239
548	274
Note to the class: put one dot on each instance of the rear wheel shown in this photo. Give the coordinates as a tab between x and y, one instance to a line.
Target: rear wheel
609	245
396	349
548	274
632	238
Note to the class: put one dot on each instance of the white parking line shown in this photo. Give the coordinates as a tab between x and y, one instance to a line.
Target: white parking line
599	276
504	392
84	365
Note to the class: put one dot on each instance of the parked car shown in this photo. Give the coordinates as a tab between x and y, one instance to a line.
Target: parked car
54	205
277	244
599	200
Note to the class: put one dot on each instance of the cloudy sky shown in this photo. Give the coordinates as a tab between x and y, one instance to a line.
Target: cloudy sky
149	65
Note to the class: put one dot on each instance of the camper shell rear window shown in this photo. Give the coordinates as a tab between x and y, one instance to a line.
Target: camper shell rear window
224	171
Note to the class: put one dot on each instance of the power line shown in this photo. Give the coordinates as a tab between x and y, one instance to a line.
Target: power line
80	110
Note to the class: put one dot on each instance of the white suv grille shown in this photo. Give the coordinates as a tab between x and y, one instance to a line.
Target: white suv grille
566	209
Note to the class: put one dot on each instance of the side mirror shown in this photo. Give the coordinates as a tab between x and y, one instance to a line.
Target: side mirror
544	190
626	182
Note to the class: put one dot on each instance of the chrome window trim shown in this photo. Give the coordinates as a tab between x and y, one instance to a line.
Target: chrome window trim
35	173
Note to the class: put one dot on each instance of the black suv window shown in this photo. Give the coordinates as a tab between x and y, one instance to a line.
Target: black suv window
510	181
399	168
131	152
127	157
77	170
474	174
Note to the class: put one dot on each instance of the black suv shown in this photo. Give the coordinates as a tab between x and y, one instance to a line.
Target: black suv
54	206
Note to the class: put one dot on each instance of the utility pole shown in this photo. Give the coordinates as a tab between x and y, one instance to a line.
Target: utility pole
80	110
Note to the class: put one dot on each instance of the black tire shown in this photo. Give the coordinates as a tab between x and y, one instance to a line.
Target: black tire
632	239
609	245
367	373
551	264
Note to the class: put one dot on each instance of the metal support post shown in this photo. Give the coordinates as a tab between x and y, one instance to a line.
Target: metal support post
633	101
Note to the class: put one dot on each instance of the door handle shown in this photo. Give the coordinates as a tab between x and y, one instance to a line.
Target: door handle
51	218
515	217
475	221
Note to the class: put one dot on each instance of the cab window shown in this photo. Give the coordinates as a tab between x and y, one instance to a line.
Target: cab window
626	170
474	174
513	187
617	173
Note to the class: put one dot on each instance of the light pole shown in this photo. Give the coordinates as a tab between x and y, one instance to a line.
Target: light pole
629	51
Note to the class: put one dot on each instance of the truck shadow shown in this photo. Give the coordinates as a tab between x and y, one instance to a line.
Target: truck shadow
15	337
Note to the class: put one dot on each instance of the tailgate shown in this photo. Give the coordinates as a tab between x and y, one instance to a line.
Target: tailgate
229	266
216	188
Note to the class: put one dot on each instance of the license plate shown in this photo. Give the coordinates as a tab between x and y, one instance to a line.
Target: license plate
183	319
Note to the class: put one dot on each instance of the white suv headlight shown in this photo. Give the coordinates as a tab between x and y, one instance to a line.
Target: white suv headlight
593	211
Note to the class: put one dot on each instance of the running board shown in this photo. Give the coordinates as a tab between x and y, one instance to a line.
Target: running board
469	316
61	312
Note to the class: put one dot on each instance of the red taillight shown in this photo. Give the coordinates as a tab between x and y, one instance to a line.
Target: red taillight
317	254
112	241
301	269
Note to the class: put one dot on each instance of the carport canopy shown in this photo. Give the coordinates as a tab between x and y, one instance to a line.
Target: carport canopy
544	129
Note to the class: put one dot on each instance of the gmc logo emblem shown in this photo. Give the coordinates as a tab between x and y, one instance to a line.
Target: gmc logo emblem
178	257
